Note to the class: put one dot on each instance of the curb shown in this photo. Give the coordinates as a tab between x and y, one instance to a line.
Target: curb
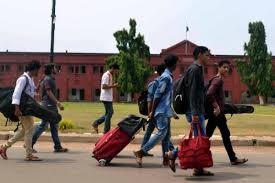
93	138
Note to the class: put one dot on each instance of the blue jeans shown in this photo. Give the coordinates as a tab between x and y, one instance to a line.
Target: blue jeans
106	117
150	128
54	131
202	126
162	126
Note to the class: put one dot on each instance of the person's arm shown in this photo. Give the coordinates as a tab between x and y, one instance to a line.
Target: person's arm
16	97
211	95
106	86
193	98
106	82
50	94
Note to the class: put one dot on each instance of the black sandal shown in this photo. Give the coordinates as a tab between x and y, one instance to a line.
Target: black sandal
202	173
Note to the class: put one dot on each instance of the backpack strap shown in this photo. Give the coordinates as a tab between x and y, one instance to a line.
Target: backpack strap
27	82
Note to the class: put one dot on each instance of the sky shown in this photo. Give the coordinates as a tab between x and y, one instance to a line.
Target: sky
88	25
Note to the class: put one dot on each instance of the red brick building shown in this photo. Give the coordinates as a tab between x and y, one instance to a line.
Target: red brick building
79	79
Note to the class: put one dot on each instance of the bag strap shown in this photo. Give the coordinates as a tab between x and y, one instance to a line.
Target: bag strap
192	129
27	82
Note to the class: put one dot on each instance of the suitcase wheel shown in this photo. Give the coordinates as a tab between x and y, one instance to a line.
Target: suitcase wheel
102	162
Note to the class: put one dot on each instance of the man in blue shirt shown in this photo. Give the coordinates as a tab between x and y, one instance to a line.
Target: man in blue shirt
152	86
161	108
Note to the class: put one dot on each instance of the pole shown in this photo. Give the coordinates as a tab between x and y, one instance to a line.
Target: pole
52	32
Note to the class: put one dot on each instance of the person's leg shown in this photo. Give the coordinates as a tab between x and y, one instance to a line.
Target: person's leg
148	133
39	129
109	114
18	135
165	145
211	126
225	133
28	125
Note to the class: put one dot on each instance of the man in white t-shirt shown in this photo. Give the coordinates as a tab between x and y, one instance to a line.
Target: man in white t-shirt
106	96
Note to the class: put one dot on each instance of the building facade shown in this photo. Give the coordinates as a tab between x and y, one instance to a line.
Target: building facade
80	73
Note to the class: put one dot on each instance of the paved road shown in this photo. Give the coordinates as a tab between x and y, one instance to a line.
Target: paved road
78	167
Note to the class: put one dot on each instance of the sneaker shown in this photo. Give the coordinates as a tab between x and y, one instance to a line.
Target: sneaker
3	152
61	150
95	128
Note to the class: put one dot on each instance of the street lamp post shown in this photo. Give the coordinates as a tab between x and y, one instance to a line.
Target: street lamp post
52	32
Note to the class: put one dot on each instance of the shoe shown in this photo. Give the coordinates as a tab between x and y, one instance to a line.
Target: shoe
239	161
202	172
148	155
139	155
3	152
172	161
61	150
32	158
165	161
95	127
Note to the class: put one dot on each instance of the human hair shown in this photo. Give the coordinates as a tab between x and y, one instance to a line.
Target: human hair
222	62
48	68
171	60
160	69
33	65
199	50
114	66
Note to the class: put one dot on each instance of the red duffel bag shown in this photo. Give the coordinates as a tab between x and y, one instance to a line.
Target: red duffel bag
194	152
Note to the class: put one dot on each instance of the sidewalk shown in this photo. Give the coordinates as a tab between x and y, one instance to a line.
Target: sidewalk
92	138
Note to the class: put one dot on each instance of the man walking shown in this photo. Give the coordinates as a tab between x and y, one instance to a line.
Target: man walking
49	100
25	84
161	109
194	83
215	97
106	96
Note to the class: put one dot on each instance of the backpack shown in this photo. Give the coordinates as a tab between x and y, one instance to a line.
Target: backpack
6	106
180	103
142	100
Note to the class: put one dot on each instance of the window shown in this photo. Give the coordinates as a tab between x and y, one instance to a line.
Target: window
58	94
58	68
230	71
73	92
82	94
5	68
76	69
122	94
71	69
205	70
97	92
226	94
101	70
95	69
20	68
83	69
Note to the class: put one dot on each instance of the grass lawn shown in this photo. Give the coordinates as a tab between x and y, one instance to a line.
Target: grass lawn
260	123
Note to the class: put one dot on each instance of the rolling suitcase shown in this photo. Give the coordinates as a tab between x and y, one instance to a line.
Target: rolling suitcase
114	141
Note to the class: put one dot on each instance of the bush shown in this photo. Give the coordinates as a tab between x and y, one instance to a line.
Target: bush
67	125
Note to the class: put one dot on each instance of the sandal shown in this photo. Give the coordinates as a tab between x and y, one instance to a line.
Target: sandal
202	173
139	155
239	161
3	153
61	150
172	161
32	158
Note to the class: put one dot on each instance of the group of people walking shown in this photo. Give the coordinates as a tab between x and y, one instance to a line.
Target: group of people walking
48	92
160	110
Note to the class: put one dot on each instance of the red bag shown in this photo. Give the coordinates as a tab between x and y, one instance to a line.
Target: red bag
110	144
195	152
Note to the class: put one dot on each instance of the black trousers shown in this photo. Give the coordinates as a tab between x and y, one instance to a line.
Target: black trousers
221	122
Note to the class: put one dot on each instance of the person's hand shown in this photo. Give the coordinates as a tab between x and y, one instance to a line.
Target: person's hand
217	111
150	116
17	112
60	106
175	116
115	85
195	118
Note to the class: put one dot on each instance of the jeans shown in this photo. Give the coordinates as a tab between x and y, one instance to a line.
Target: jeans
221	122
165	146
42	127
106	117
162	126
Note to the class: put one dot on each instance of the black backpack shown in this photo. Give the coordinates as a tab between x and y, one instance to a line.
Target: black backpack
180	102
142	101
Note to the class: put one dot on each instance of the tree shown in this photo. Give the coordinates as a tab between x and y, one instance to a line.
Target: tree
256	69
133	59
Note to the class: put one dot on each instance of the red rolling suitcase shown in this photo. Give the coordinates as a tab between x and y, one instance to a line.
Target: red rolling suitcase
109	145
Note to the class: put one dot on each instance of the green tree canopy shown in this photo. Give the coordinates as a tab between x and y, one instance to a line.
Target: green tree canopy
256	69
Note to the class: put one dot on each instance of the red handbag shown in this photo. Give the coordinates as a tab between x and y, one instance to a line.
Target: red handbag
195	152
